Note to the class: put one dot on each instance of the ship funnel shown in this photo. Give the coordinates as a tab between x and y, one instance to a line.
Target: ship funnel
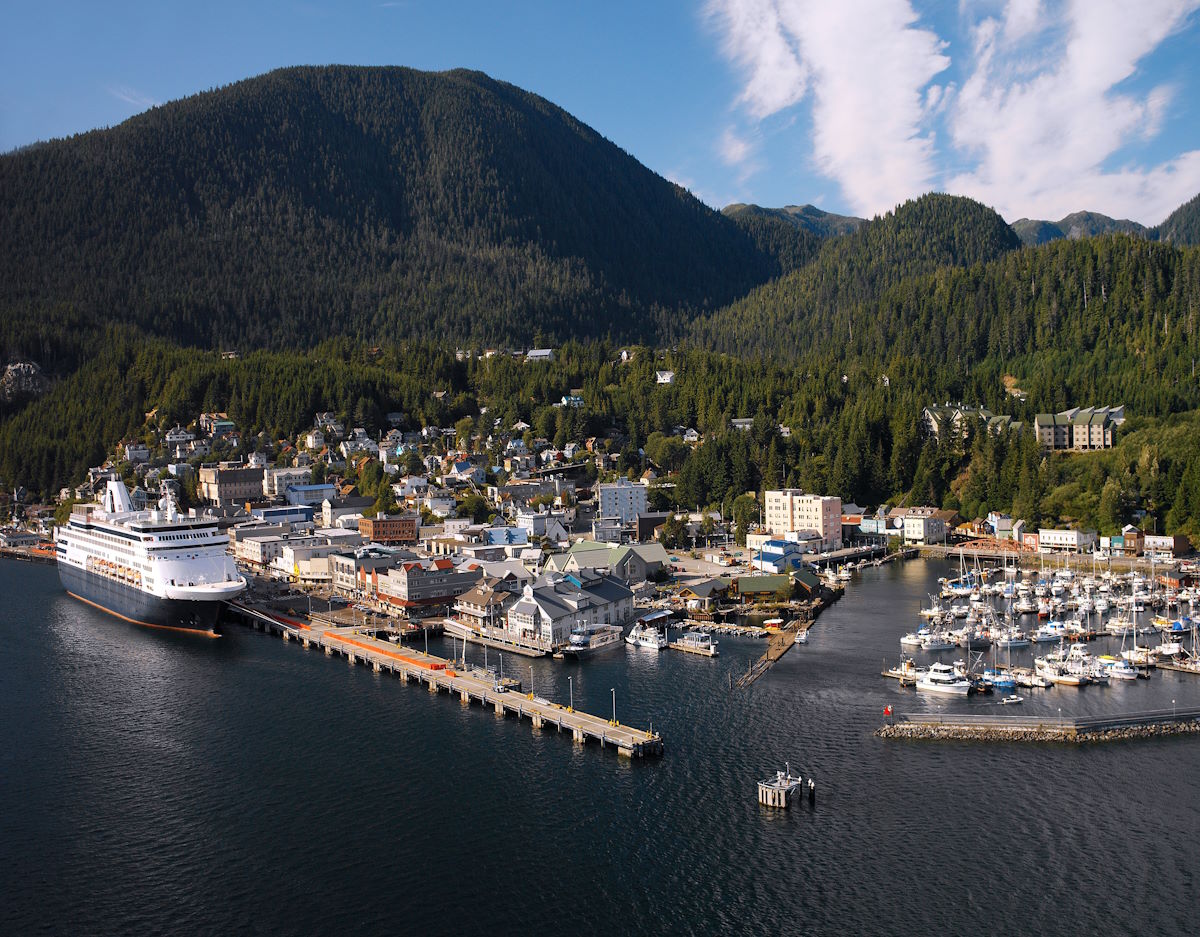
116	498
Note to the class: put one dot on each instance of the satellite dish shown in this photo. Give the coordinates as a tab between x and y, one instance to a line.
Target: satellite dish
899	523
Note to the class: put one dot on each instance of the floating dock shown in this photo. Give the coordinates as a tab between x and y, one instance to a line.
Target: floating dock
437	674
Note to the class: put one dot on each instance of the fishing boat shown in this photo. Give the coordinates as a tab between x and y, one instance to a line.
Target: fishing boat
1010	700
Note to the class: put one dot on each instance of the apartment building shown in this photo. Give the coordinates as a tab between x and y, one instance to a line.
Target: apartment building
790	510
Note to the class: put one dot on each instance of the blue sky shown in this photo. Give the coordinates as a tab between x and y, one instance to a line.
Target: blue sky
1037	108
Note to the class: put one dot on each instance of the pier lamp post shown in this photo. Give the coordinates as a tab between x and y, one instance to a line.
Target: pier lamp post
571	682
531	680
1060	717
1172	709
613	690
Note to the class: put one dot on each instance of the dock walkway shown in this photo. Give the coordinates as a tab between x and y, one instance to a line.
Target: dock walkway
438	673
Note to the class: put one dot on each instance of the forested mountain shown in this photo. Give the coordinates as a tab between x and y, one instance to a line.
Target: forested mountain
1080	224
1110	318
805	217
369	202
1182	226
789	315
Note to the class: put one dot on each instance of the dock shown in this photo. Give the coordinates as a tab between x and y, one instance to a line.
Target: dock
988	728
438	673
1185	666
782	641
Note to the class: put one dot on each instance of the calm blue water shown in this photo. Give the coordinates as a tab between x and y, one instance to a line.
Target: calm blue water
154	783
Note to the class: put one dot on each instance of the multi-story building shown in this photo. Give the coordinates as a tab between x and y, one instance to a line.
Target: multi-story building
276	480
923	525
555	604
1066	541
486	603
229	483
1165	546
356	573
952	420
790	509
428	582
622	499
390	529
1080	428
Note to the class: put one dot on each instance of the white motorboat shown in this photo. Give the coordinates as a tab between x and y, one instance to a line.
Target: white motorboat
940	678
644	635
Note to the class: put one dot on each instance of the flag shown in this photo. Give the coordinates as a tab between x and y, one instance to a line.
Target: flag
887	710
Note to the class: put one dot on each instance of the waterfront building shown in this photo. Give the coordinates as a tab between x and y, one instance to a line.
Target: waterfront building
356	573
923	525
427	582
552	607
791	510
1051	540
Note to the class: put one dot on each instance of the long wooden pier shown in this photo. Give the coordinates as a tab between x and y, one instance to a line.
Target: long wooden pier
438	673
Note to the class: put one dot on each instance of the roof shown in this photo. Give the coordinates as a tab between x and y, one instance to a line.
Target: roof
756	584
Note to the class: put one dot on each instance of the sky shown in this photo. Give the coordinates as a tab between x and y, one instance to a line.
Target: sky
1033	107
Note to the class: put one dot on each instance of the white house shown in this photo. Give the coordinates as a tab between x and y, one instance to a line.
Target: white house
664	377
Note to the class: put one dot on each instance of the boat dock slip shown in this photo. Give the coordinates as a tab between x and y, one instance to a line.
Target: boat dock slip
438	673
979	728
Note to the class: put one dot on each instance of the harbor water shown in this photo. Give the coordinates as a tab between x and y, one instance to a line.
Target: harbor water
154	783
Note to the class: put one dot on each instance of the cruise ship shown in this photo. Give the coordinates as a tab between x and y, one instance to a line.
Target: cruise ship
156	568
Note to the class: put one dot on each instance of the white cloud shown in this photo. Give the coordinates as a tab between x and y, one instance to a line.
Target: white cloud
733	149
868	65
133	97
1040	125
1039	144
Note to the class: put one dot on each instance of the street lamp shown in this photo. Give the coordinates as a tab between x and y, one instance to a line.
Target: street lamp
571	681
613	690
1172	709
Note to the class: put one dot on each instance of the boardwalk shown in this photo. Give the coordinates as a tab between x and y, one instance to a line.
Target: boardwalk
438	673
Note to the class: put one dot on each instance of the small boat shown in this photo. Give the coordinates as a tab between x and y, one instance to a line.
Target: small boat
801	637
1010	700
773	624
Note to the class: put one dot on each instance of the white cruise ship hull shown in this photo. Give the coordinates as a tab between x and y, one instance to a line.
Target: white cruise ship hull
135	605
